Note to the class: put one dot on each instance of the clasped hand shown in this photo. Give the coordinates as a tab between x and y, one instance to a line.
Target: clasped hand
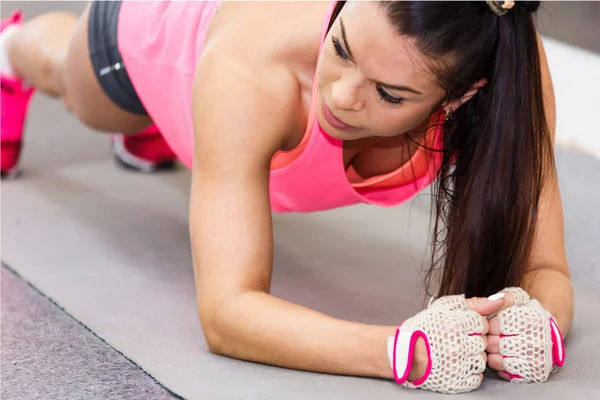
446	347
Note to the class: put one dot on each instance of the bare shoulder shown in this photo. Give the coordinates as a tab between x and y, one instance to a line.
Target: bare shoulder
271	30
263	55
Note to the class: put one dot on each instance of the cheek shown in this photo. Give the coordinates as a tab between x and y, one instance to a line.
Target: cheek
388	121
327	69
322	74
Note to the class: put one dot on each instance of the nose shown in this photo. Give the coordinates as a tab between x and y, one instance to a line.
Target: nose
345	94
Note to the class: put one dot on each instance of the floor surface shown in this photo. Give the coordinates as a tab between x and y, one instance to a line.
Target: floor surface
48	355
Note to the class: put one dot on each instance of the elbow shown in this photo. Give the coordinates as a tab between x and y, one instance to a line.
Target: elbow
213	340
219	330
223	324
215	345
212	334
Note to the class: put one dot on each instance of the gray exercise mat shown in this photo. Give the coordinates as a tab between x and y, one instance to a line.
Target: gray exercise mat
112	249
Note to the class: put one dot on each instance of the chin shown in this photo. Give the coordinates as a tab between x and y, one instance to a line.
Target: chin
345	135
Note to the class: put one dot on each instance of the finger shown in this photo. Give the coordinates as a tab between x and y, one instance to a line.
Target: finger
472	323
509	299
517	346
473	382
475	345
493	344
496	361
494	327
504	376
485	306
478	364
519	370
485	326
485	357
520	297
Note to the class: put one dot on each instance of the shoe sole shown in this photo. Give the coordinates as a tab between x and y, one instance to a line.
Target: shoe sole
10	175
165	166
131	162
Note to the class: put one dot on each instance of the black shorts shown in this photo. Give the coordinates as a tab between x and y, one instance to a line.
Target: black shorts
106	58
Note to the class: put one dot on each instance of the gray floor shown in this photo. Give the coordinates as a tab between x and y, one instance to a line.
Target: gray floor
48	355
45	353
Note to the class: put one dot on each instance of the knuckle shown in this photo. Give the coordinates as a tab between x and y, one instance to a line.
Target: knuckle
485	323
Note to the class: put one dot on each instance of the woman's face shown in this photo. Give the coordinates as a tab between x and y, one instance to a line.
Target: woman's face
372	81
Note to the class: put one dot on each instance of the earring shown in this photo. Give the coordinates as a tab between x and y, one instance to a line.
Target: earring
448	116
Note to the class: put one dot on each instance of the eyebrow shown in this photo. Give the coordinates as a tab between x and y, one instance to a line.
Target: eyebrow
400	88
385	85
345	39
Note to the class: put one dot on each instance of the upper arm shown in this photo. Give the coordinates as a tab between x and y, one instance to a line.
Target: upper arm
239	122
549	245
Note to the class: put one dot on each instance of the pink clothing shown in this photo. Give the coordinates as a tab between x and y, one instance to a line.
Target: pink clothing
14	103
160	43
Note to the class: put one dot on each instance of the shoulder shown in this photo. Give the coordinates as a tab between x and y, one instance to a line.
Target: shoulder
258	61
283	32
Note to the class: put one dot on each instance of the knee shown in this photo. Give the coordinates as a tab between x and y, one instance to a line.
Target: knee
50	79
83	114
76	103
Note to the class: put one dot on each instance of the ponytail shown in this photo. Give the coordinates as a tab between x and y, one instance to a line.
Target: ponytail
487	202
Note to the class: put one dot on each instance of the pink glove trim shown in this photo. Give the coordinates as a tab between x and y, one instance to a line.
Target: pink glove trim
413	339
512	376
502	335
558	346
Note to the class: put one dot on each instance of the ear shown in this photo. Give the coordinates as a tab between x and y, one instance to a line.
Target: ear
468	95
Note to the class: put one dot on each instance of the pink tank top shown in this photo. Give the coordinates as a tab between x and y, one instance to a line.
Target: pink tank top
160	43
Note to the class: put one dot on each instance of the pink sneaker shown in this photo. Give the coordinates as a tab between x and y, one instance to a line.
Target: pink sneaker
14	104
146	151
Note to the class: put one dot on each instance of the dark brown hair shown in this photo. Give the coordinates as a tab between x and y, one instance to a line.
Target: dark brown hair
497	151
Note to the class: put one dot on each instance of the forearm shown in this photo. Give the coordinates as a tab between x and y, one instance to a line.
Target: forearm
554	291
258	327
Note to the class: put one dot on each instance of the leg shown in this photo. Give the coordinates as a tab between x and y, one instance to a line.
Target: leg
51	52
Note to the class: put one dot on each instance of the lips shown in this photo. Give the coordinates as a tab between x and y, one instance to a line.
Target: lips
332	119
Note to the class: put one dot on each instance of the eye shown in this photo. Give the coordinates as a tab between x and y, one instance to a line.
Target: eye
339	50
386	97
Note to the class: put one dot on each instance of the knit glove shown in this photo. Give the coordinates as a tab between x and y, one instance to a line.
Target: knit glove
530	342
453	338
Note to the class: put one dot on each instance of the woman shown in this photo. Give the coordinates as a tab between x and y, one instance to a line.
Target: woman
310	106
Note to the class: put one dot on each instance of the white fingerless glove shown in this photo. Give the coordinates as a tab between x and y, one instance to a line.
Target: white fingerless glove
452	335
530	340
